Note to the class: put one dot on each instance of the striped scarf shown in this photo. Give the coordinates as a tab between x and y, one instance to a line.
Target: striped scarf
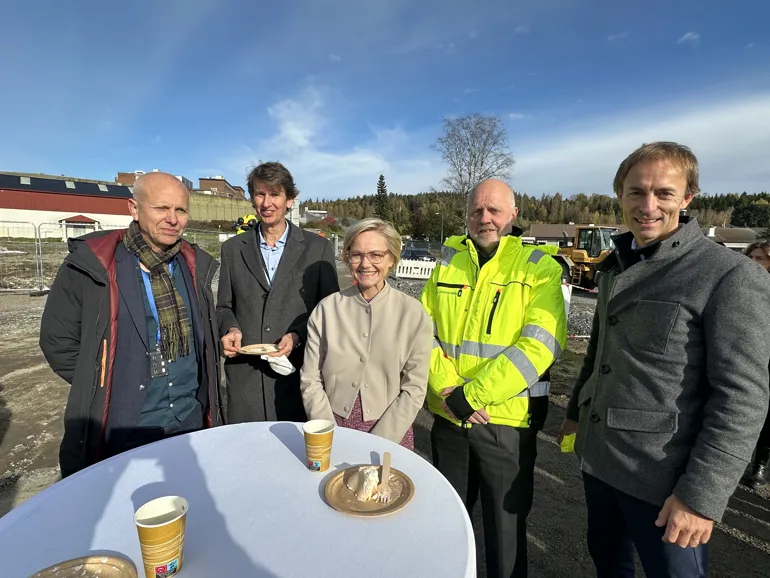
172	314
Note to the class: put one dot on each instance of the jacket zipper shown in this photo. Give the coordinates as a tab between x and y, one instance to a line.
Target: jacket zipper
104	363
492	313
458	286
216	401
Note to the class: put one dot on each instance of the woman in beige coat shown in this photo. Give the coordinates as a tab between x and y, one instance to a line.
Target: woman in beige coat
368	347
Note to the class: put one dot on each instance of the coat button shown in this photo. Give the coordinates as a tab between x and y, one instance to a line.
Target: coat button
367	310
267	328
354	384
363	359
366	335
141	388
675	244
366	385
594	417
345	408
612	320
605	369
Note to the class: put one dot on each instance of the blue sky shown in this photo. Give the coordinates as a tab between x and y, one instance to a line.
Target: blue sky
343	90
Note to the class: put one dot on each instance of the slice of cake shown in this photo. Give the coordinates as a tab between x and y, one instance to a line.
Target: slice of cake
364	482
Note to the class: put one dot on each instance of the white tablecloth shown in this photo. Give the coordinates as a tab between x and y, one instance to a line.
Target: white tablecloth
255	511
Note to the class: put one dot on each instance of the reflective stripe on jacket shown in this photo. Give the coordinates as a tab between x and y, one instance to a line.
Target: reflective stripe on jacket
496	329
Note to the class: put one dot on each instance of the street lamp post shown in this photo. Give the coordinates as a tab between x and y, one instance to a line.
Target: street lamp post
442	227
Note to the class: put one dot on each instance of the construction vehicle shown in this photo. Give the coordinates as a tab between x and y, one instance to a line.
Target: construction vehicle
579	256
244	224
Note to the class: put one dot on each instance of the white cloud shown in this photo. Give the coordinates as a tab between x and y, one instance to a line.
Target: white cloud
620	36
730	138
518	116
326	168
335	58
521	29
470	90
473	34
689	37
750	46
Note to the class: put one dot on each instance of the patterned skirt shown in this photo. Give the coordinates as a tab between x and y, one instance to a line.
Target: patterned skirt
356	421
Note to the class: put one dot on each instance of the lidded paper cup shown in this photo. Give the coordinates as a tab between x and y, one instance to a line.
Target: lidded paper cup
161	526
318	443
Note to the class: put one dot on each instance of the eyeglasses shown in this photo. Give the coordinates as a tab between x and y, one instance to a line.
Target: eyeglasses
375	257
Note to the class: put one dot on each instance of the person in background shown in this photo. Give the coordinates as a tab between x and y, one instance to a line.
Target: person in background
674	386
757	475
499	324
128	325
368	346
759	252
272	277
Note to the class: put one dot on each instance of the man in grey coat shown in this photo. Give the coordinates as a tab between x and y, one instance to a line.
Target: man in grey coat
271	279
674	386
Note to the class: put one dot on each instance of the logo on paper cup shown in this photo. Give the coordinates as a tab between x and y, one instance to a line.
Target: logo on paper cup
314	465
167	570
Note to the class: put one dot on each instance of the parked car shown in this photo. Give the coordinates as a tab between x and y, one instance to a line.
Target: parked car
417	255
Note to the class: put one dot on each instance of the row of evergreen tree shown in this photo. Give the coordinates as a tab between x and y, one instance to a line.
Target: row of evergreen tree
424	215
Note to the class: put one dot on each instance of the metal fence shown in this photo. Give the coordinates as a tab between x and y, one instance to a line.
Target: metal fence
54	246
30	256
19	262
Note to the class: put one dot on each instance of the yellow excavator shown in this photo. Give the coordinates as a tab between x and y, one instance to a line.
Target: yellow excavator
245	223
580	255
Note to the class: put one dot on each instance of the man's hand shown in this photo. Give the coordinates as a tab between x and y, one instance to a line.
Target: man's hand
684	526
568	426
231	342
286	345
479	417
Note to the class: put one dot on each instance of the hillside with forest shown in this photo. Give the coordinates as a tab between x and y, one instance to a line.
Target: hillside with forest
422	215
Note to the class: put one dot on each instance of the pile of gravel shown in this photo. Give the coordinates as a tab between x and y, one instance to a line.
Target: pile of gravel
581	311
411	287
581	314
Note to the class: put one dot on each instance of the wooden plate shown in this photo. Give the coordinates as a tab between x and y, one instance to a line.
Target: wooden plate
342	499
90	566
258	349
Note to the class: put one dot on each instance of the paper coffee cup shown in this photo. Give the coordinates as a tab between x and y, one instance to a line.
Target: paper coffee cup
161	526
318	443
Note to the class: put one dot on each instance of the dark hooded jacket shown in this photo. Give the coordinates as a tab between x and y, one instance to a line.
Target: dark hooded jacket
78	336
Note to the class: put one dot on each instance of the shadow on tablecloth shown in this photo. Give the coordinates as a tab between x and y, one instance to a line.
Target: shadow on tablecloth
208	542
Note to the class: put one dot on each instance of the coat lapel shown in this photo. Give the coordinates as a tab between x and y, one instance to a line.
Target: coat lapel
130	290
250	253
295	246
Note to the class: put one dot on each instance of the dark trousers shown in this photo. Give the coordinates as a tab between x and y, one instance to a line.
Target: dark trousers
497	462
617	522
125	439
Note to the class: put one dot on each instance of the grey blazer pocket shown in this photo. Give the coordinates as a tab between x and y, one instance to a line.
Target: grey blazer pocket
642	421
653	322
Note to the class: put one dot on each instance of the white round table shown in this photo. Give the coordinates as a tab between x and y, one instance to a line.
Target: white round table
255	511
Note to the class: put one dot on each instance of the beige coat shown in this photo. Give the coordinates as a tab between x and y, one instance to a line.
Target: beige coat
380	350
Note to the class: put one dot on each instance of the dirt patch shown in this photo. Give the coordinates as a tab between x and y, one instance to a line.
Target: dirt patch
32	400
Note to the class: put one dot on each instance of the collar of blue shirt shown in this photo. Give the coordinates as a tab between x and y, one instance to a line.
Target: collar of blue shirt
280	243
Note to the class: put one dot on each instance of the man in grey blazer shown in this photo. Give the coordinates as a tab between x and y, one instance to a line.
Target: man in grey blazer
674	386
271	279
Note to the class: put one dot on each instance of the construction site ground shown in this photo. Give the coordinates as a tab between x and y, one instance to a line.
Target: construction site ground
32	400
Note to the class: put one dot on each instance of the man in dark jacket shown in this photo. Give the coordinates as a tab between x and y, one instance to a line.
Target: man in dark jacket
129	325
674	386
272	278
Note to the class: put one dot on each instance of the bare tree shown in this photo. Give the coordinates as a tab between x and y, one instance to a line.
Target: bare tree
476	148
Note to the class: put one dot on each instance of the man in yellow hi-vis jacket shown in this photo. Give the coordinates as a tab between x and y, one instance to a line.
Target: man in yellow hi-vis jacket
499	324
